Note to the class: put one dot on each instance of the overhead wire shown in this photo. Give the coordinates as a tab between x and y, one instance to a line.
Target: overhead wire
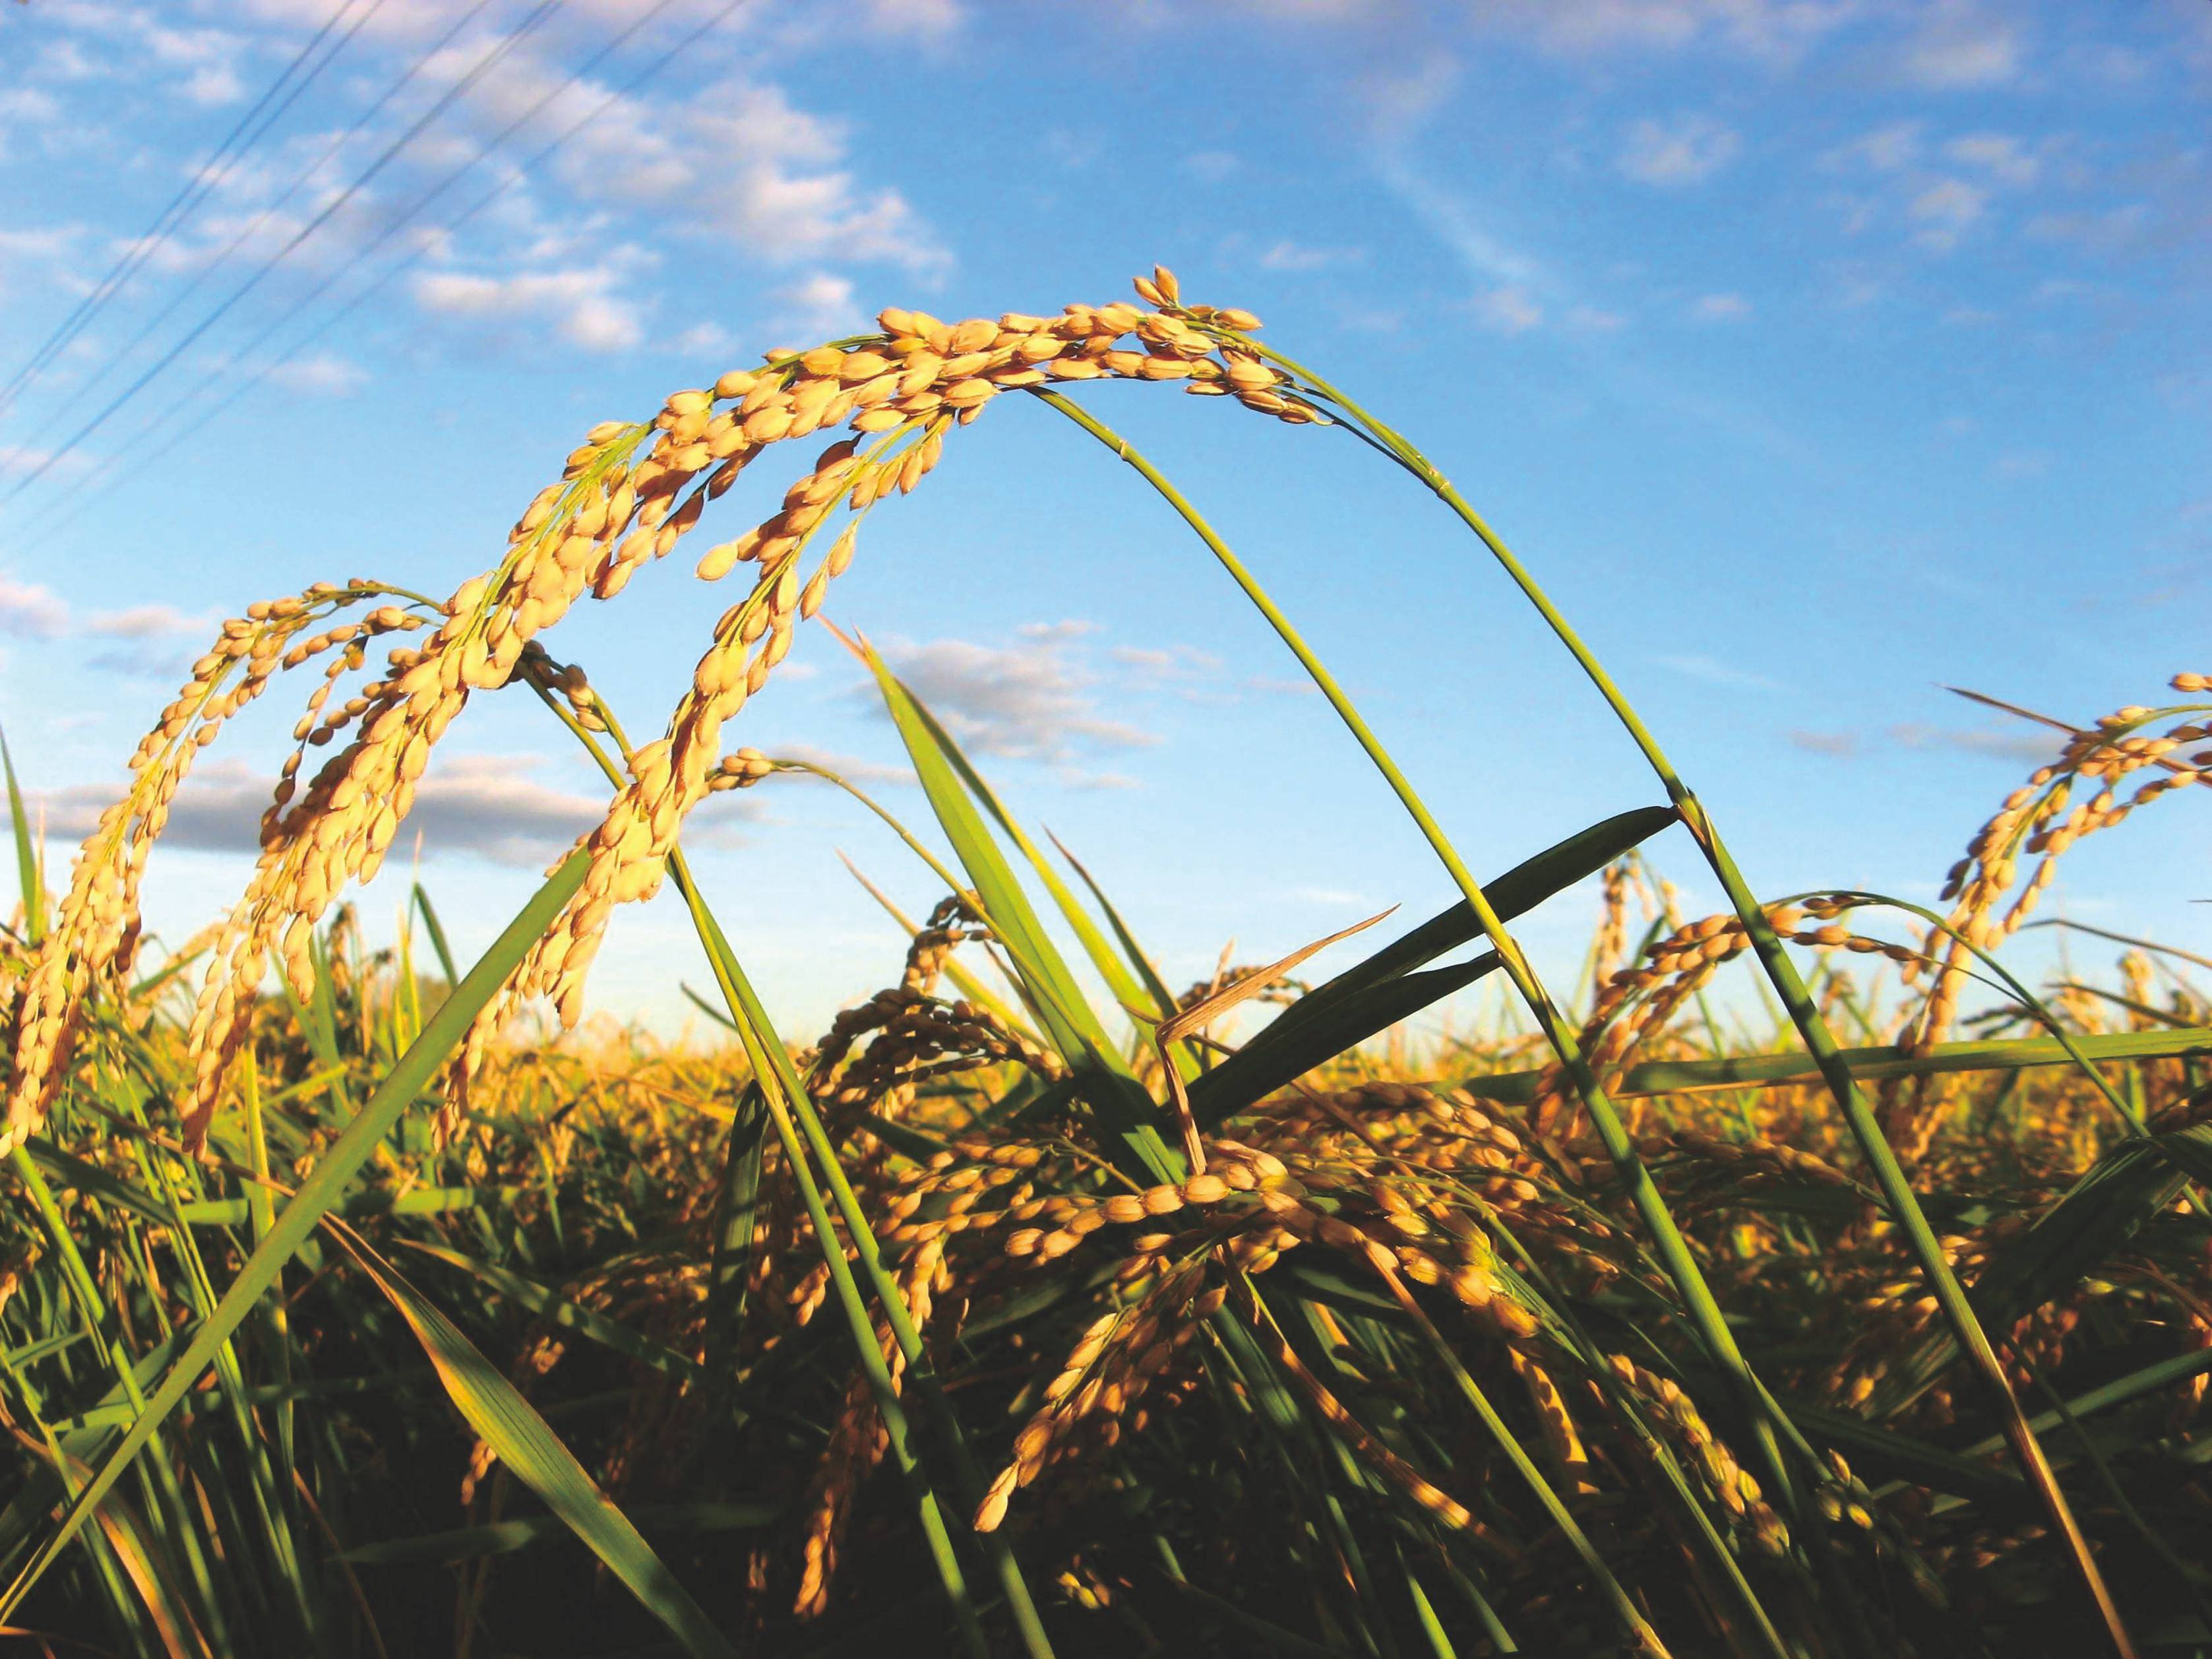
459	89
141	460
242	137
269	211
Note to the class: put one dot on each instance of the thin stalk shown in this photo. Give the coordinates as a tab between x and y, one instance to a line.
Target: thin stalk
1625	1609
1673	1251
854	1307
786	1097
1804	1013
332	1172
157	1477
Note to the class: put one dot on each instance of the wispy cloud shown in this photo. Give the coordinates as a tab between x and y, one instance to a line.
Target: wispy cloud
1685	150
1031	700
1840	745
1774	30
1509	310
1171	667
1287	255
851	768
581	306
1713	672
489	806
2016	745
739	162
1485	256
817	307
1958	46
324	374
151	622
1213	166
928	20
31	610
1998	154
1885	148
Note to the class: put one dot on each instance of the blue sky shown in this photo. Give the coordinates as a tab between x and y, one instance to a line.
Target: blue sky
1818	353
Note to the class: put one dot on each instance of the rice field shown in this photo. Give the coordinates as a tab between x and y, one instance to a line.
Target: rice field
1038	1306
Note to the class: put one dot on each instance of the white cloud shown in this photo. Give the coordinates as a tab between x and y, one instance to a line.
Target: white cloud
2114	230
740	163
66	60
1713	672
1772	29
1949	205
1683	151
151	622
43	247
29	109
851	768
581	304
1287	255
702	339
325	374
1401	98
31	610
1178	667
1960	48
1885	149
1212	166
2012	746
490	805
1028	701
1508	310
818	306
1593	319
1484	255
1721	308
1841	745
2000	155
28	105
19	460
928	20
214	85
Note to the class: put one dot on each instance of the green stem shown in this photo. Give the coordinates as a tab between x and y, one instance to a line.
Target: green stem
323	1187
1804	1014
1673	1249
786	1098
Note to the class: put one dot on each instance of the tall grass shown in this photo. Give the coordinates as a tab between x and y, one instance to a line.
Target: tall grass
1026	1310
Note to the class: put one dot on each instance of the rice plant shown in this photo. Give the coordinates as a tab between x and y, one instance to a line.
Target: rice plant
1027	1309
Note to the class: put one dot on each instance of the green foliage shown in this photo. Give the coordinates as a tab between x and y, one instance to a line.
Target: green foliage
1035	1308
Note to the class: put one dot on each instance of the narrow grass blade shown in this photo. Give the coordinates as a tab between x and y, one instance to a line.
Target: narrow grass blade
535	1455
2133	1181
1126	1111
570	1315
1120	976
317	1195
1254	1073
505	1537
1344	1012
1664	1077
1774	961
27	854
436	930
1207	1009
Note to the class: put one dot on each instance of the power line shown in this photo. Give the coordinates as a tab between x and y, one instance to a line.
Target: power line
143	462
171	219
445	99
269	211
